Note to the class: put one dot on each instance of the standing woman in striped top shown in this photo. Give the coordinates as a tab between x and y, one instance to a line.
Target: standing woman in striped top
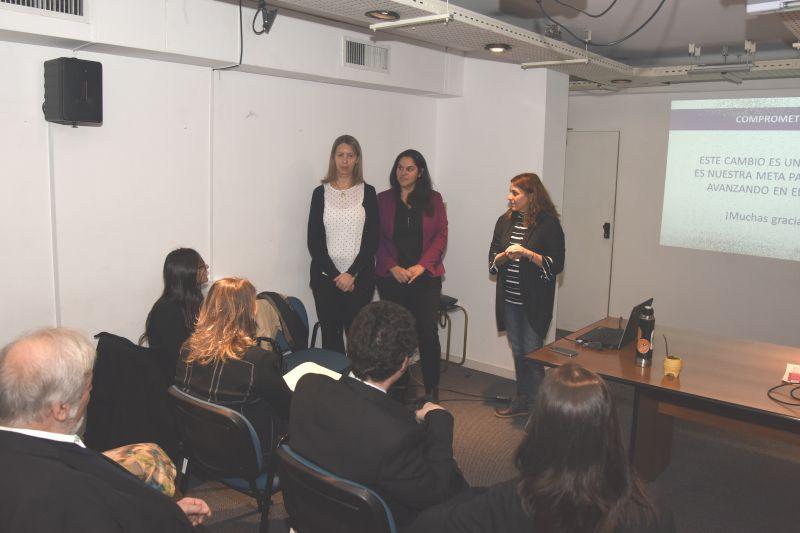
527	252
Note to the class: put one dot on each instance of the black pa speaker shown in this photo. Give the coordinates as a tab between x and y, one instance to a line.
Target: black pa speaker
73	91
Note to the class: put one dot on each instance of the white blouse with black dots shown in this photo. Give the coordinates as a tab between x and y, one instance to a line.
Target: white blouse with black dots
344	218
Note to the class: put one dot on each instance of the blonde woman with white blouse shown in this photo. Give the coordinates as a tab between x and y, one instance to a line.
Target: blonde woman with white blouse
342	239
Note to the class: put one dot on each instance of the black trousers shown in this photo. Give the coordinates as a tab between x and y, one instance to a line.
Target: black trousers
337	309
421	298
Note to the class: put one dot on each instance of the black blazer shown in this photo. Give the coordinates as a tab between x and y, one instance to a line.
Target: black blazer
363	268
546	238
58	486
361	434
499	509
252	385
129	401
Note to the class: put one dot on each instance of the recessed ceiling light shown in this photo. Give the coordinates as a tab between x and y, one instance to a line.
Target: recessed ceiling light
621	81
497	48
382	14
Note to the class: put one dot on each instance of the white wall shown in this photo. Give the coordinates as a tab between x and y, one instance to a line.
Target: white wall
185	157
225	162
509	121
131	190
272	139
206	33
26	271
726	294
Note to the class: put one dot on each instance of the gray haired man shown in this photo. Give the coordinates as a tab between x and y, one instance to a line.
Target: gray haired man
50	481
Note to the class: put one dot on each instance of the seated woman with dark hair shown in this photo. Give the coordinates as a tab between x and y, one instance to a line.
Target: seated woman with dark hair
575	476
222	363
171	319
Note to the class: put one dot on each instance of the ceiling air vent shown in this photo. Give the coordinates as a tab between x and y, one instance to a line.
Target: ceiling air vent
366	56
65	7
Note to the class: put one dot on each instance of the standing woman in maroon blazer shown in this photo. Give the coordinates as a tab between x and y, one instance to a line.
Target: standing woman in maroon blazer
409	269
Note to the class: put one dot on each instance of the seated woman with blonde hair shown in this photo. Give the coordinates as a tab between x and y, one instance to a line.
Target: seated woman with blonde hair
222	363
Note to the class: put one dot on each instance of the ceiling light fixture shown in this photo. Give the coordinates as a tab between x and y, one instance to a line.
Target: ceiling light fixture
382	14
541	64
763	7
416	21
621	81
497	48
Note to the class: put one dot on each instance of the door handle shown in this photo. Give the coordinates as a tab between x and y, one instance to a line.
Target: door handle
607	230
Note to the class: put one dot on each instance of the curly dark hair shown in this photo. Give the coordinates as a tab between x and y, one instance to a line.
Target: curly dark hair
381	336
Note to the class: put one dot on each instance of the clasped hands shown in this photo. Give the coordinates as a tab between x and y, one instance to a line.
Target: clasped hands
406	275
513	252
345	282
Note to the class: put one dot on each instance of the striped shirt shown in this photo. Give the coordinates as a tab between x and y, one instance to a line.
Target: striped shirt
513	290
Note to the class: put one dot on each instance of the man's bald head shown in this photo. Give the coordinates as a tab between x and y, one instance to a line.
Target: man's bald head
43	369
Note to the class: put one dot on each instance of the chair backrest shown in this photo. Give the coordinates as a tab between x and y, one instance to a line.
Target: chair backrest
219	441
293	316
321	502
299	308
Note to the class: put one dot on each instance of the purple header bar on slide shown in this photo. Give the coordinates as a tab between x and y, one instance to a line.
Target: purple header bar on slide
762	118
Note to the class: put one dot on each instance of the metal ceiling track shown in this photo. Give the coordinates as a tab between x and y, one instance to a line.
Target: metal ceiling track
468	32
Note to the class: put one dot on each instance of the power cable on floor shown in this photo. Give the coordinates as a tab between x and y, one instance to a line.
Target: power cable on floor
477	397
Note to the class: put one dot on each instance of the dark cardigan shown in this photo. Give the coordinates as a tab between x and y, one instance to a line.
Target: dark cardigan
167	330
322	267
546	238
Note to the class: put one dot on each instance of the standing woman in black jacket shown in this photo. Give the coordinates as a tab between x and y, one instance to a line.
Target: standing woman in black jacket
172	318
342	239
526	253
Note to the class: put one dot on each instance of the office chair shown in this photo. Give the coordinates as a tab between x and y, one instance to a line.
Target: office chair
320	502
327	358
222	445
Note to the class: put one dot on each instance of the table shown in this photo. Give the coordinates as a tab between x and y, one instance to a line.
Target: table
723	383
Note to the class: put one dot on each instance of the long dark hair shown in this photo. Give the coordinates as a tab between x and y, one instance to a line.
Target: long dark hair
181	285
420	197
539	202
575	471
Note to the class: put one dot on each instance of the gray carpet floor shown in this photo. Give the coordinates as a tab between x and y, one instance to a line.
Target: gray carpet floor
716	482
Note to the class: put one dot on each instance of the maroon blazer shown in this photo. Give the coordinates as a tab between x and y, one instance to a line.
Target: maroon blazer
434	236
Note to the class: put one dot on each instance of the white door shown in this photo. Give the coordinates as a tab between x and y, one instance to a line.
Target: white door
590	184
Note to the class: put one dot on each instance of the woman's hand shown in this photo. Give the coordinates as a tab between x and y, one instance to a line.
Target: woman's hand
400	274
414	272
515	251
345	282
500	259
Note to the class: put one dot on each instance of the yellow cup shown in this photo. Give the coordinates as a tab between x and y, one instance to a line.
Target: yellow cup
672	366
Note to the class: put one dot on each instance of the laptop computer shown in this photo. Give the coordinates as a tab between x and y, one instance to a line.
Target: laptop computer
615	338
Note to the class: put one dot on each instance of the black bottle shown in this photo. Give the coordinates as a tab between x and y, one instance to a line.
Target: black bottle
644	337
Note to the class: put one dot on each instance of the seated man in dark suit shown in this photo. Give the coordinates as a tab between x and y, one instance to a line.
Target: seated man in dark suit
50	481
354	429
